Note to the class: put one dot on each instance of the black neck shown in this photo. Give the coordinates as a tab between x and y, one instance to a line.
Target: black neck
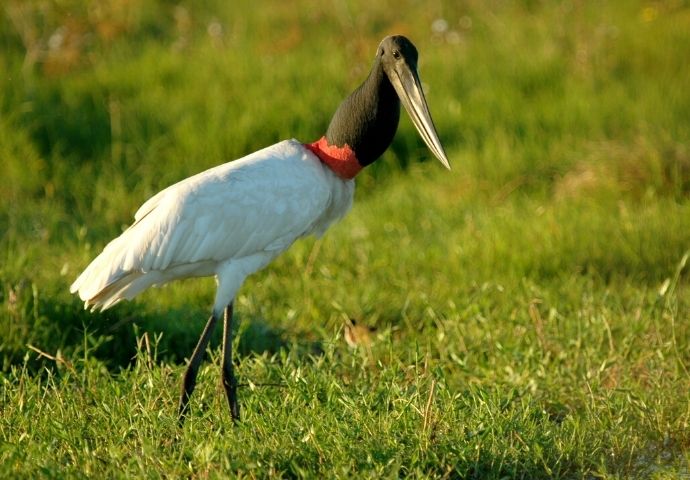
368	118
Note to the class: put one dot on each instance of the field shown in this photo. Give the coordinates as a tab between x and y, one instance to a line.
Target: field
531	306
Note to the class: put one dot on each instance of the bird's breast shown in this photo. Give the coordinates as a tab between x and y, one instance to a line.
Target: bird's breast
340	192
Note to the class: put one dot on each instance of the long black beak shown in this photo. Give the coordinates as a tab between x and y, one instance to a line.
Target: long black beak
406	82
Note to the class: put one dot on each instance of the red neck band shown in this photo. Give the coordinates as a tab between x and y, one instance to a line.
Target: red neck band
341	160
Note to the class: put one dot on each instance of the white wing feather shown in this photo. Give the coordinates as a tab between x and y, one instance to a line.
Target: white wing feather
259	204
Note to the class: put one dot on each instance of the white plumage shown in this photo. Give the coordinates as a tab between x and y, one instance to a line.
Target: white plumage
228	221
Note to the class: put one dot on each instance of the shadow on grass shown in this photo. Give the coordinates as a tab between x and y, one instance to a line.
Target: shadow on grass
64	330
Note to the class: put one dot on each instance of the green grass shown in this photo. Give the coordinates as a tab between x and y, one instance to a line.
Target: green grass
532	305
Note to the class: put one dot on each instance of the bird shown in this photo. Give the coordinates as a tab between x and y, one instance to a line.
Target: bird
357	334
231	220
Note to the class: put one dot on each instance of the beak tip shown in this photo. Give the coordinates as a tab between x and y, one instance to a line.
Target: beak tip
444	161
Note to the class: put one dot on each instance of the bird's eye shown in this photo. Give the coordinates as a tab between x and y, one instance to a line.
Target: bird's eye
396	54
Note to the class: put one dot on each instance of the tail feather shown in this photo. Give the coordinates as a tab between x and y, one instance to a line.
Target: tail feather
111	294
106	281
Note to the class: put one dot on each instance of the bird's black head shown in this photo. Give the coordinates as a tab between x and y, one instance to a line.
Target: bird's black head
367	120
397	50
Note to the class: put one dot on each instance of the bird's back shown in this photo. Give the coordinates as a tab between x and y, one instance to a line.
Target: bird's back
257	205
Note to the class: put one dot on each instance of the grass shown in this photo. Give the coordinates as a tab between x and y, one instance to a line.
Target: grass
532	305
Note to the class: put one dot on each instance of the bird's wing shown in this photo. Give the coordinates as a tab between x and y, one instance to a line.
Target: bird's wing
260	203
263	202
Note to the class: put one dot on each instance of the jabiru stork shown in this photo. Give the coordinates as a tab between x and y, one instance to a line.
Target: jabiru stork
232	220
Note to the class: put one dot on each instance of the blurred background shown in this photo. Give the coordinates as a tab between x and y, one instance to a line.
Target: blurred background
581	105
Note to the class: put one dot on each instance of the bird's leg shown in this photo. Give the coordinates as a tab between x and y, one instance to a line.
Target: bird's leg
189	379
229	381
